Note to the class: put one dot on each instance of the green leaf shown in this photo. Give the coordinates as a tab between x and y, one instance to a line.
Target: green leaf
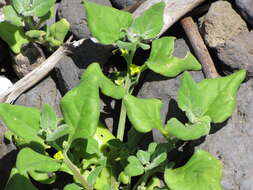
73	186
22	121
157	161
215	98
48	15
190	98
202	171
94	174
35	34
81	105
48	118
19	181
32	8
59	132
106	23
14	36
134	168
189	131
144	114
58	31
43	177
163	62
11	16
149	24
92	146
143	156
29	160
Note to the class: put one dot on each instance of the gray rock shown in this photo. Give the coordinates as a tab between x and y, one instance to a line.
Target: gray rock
166	89
221	23
237	52
232	144
70	68
44	92
246	8
74	12
120	4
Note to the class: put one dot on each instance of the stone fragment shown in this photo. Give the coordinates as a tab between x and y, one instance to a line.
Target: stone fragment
44	92
74	12
237	52
70	68
221	23
246	8
120	4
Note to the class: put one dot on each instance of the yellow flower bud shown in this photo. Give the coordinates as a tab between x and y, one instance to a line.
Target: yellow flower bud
59	155
134	69
123	52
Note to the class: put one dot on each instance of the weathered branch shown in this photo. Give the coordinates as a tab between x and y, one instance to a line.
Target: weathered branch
37	74
199	47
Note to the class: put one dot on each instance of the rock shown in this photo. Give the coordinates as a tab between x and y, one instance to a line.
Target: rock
44	92
70	68
237	52
74	12
246	8
221	23
30	57
166	89
120	4
232	144
8	155
5	83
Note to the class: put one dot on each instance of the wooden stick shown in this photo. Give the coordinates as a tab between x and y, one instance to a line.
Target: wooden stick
37	74
199	47
173	11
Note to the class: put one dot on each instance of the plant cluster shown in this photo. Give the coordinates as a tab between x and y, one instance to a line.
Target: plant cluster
88	151
24	22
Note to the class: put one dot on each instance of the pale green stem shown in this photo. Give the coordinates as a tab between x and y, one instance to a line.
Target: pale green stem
76	172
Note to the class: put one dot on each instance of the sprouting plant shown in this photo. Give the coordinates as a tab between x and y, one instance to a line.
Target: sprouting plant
88	151
24	21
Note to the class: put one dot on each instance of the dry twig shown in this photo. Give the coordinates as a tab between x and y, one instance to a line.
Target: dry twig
199	47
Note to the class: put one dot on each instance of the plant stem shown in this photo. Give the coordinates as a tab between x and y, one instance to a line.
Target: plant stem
122	117
76	172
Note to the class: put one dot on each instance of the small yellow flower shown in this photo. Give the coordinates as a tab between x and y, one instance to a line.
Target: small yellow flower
59	155
123	52
134	69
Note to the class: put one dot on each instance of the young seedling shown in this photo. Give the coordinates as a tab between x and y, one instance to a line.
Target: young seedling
24	22
87	150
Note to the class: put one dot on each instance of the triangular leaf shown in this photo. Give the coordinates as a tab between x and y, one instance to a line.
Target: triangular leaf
59	30
163	62
202	171
188	131
215	98
106	23
32	8
134	168
22	121
29	160
149	24
11	16
144	114
14	36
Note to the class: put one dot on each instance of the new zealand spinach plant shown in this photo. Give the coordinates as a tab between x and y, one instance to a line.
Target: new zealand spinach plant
24	22
88	151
